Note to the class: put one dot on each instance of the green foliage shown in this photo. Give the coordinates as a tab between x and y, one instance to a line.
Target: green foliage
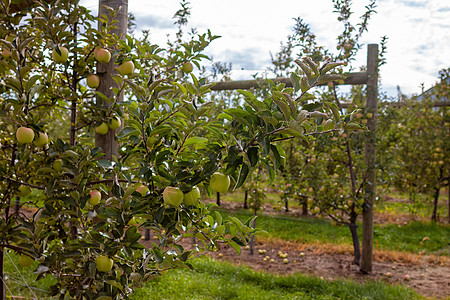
416	138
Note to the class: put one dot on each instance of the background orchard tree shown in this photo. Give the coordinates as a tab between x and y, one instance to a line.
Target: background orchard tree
303	42
168	142
418	136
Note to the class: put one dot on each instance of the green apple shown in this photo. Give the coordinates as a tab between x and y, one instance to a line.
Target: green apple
219	182
114	123
25	261
24	135
102	55
93	81
60	58
41	140
143	190
173	196
57	165
102	128
95	197
126	68
23	190
187	67
191	198
103	263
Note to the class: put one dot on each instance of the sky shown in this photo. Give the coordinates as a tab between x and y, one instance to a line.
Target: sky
418	33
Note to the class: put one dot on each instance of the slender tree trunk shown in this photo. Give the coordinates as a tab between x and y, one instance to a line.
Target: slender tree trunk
305	206
246	199
252	239
73	112
2	276
435	204
448	194
218	199
17	204
356	249
2	257
286	204
147	235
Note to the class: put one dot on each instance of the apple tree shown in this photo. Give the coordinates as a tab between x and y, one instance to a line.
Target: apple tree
419	139
86	227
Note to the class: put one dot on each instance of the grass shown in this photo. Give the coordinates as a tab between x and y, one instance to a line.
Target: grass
21	281
422	209
408	237
220	280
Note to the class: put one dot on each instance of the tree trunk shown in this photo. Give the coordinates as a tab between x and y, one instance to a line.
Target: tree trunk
448	216
370	159
305	206
105	71
147	235
245	199
218	199
286	204
2	276
356	249
252	239
435	204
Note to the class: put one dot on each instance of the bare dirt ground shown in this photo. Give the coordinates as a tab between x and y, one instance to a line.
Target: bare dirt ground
428	279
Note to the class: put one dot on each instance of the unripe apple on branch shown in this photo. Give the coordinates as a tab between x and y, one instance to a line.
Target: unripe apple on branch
61	57
102	55
24	135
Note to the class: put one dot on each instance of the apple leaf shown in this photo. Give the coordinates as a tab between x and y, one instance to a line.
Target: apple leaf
235	246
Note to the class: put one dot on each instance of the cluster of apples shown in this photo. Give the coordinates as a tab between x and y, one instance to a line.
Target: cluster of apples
25	135
60	55
113	124
173	196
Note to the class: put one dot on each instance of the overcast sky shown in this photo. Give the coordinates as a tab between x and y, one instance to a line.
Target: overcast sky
418	33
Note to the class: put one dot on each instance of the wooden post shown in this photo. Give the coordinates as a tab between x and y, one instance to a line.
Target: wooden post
370	158
105	71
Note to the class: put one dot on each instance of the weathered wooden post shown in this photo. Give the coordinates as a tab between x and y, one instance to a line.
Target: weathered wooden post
105	71
370	158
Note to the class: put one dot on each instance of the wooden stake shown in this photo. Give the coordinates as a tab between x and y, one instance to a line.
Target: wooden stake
105	71
370	158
